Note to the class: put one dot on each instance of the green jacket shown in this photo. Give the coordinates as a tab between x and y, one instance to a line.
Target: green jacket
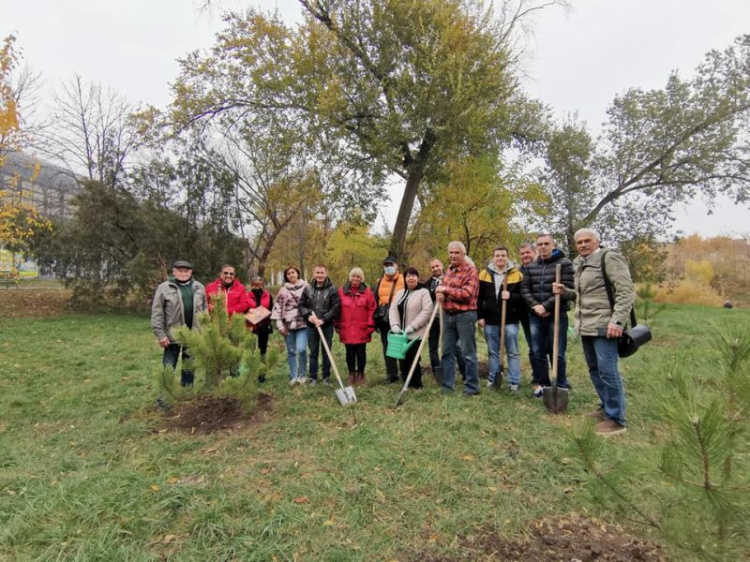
167	310
593	311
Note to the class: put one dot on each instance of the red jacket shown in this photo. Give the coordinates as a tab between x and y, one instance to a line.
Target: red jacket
266	301
355	323
236	297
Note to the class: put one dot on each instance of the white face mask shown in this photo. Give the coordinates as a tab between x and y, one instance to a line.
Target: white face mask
390	269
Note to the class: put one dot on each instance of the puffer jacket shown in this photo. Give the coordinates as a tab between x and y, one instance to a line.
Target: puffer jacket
417	311
536	287
355	323
235	298
323	301
488	304
167	310
286	309
593	310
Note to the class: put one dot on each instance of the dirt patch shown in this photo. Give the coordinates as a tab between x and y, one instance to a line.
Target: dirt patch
33	303
210	414
561	539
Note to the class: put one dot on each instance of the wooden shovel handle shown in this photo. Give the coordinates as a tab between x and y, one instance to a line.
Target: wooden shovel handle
556	337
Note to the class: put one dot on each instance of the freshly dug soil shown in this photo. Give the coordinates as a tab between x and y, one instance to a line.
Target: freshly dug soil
572	538
33	302
210	414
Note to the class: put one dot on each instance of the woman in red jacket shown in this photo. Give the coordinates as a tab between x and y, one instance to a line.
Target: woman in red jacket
355	323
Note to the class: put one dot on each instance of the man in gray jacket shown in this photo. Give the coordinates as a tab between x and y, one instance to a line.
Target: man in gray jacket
177	301
605	295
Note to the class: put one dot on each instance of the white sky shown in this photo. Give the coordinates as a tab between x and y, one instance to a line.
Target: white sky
576	61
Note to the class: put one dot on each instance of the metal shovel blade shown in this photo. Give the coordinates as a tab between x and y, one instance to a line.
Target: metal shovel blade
346	395
555	399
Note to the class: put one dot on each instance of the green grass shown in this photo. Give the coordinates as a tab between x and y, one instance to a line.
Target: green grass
85	474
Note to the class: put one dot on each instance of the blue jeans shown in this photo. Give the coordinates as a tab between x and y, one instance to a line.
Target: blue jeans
313	339
296	352
601	358
460	327
527	334
542	334
492	336
170	357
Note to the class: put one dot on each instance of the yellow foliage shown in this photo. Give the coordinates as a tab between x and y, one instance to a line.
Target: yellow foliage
701	271
688	292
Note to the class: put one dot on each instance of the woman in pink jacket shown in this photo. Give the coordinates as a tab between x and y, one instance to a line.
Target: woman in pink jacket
355	323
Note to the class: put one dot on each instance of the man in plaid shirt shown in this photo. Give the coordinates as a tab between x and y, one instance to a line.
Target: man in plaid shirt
457	295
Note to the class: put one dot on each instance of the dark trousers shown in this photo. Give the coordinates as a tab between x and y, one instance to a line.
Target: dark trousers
263	332
391	364
527	334
434	344
314	344
170	358
542	337
405	363
356	356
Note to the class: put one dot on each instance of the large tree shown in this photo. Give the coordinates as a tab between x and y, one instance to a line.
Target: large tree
390	87
658	148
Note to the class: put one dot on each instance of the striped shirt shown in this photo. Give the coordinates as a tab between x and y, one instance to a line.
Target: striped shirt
461	284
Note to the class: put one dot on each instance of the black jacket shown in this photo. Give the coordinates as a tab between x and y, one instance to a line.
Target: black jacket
536	287
488	305
323	301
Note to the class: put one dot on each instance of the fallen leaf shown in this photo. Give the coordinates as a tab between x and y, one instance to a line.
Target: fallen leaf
329	523
568	490
172	480
170	538
301	499
470	458
154	487
265	471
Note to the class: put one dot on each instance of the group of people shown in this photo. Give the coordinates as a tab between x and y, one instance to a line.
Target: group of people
308	315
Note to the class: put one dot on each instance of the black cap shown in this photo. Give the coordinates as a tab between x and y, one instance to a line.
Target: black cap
182	263
390	259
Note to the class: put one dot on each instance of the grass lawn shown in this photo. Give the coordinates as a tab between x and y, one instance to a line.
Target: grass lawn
86	473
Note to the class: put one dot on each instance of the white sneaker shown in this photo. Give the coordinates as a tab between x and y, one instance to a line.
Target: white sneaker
302	380
513	388
293	381
489	383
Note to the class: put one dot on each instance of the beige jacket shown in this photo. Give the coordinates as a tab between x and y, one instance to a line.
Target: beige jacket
593	310
417	312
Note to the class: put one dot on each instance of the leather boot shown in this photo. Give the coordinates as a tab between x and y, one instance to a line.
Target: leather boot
359	378
352	377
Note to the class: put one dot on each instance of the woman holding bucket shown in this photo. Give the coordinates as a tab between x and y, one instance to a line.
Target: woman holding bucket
355	323
409	314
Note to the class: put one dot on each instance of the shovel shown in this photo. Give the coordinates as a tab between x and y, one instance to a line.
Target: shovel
416	358
498	382
556	399
345	395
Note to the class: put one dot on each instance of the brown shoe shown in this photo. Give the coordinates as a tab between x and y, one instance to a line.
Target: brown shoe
359	378
607	428
351	378
596	414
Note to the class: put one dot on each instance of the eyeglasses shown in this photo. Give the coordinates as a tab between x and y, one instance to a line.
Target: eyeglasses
227	273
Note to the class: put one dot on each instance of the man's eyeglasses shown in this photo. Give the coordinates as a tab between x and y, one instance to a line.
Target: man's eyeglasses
227	273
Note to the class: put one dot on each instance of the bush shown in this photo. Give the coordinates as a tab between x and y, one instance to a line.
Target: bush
688	292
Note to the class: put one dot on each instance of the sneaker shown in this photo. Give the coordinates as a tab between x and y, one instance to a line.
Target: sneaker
538	392
514	388
303	380
312	382
327	381
392	380
293	381
490	383
608	428
597	414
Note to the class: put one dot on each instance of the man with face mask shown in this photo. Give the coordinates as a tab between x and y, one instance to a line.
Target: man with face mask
176	303
385	289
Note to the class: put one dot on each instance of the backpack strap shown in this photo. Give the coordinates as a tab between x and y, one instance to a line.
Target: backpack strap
610	292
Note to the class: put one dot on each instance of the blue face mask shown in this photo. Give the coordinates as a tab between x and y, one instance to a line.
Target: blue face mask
390	269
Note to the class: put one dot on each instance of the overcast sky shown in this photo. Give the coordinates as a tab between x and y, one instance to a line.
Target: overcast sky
576	61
